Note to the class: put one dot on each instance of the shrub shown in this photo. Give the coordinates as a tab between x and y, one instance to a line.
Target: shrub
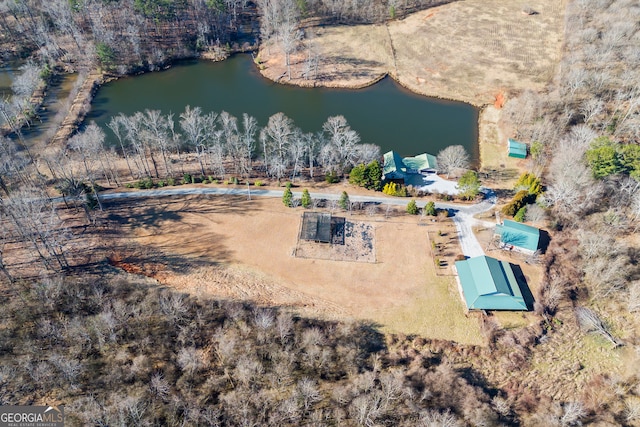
519	216
258	183
332	177
145	183
394	189
529	182
161	184
521	198
412	207
186	178
171	181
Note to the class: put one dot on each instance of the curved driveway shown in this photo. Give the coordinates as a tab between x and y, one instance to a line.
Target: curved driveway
463	214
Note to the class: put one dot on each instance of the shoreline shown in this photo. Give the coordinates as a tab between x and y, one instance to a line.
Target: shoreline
485	123
82	102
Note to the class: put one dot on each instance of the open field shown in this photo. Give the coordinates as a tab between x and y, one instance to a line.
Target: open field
470	51
230	247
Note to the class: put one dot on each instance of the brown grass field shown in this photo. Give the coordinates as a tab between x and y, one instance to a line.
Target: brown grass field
472	51
229	247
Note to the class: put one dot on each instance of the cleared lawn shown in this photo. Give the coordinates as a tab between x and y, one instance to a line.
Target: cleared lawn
233	248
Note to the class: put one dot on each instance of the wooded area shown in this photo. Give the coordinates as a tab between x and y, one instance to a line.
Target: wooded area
120	352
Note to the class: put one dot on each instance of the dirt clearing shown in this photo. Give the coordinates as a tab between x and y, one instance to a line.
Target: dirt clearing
229	247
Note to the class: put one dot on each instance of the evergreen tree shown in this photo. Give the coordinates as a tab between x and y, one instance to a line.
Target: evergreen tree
430	209
373	176
412	207
344	201
305	200
287	196
469	185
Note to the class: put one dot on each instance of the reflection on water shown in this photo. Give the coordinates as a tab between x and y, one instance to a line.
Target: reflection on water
384	114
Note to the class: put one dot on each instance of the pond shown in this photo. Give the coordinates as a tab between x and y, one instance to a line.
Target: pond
384	114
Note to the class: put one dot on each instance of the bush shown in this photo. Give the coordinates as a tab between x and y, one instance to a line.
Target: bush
393	189
412	208
519	216
529	182
186	178
145	183
258	183
171	181
161	184
332	177
521	198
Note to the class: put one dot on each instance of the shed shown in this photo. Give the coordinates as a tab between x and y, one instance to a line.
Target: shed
521	237
316	227
516	149
489	284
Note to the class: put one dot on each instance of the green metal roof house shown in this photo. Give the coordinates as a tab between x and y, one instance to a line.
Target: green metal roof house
489	284
517	149
518	236
396	167
421	163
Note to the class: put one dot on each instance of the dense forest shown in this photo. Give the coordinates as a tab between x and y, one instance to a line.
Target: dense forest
119	351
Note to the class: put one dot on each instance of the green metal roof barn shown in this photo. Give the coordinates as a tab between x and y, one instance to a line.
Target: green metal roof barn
489	284
517	149
521	236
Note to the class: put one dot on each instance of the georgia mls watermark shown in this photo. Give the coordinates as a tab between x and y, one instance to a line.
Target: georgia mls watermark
31	416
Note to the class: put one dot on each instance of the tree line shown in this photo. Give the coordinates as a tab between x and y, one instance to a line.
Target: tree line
133	34
153	145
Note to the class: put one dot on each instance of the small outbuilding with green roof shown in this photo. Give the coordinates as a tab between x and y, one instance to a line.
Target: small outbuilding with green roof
518	236
516	149
489	284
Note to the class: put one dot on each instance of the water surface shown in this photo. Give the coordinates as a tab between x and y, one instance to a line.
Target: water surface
384	114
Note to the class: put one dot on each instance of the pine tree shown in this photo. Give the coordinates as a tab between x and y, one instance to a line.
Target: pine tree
287	196
344	201
412	207
305	200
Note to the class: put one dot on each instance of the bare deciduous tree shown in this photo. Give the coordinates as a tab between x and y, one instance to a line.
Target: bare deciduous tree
452	158
589	321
